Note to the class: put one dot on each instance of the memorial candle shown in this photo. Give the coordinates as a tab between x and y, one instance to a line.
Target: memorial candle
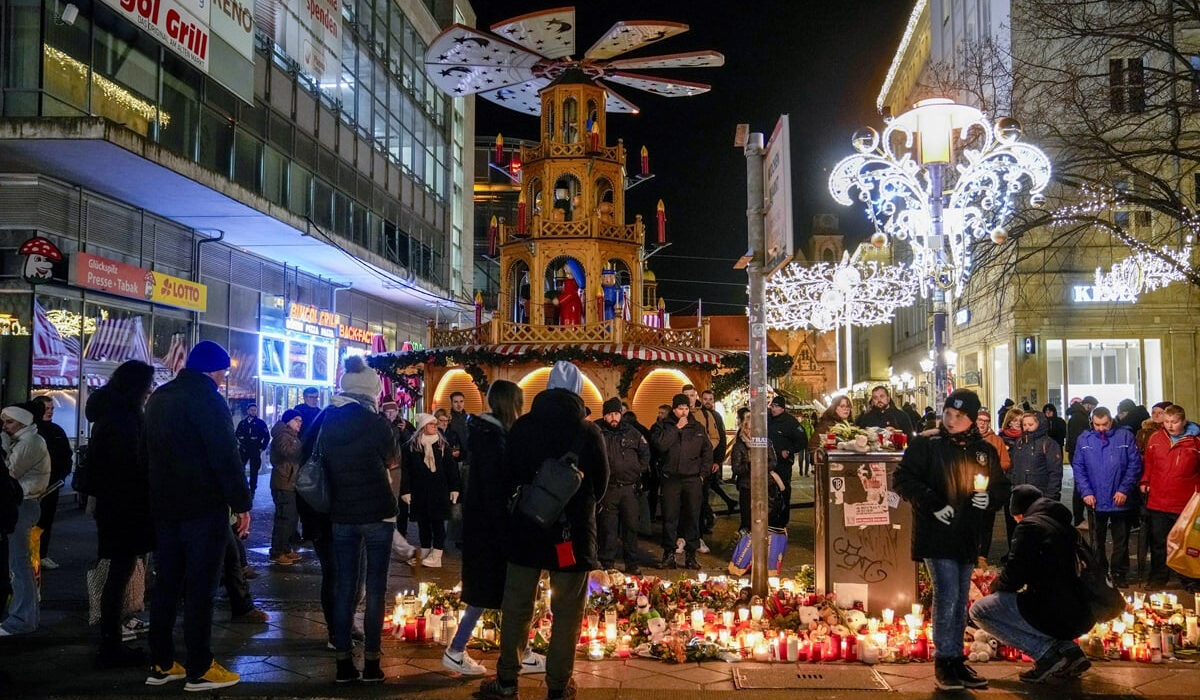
727	618
756	612
889	616
793	648
698	619
981	482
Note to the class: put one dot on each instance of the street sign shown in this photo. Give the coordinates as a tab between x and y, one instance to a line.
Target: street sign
777	177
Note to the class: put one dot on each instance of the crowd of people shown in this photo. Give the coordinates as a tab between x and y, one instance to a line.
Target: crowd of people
167	469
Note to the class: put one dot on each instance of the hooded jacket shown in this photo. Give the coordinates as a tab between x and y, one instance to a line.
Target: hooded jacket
1172	469
195	467
1036	459
1107	464
937	471
628	453
554	424
285	457
28	460
1134	419
358	446
1078	421
120	480
687	451
1040	569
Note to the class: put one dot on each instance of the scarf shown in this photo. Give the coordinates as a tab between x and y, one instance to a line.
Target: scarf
1012	433
1103	437
427	443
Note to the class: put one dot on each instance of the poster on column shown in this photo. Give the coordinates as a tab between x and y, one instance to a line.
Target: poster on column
866	496
310	31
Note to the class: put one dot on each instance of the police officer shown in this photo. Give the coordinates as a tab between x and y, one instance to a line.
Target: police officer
686	462
628	462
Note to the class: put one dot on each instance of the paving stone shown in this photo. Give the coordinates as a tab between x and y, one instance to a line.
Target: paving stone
1182	683
661	682
696	674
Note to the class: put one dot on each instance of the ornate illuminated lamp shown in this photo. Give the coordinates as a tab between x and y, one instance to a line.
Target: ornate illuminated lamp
1142	272
909	193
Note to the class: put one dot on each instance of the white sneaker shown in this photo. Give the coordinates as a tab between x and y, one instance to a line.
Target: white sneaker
703	548
48	563
401	549
464	664
533	663
679	543
433	560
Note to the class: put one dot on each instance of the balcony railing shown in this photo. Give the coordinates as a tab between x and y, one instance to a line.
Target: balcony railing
588	228
617	330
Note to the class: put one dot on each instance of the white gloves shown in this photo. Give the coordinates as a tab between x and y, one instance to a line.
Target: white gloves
980	500
945	515
407	498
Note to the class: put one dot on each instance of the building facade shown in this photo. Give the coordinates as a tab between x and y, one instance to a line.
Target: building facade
283	170
1032	324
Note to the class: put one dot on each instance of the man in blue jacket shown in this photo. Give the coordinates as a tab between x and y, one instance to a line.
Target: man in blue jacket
196	482
1107	467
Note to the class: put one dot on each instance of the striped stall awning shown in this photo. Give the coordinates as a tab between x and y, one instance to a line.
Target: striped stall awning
645	353
94	381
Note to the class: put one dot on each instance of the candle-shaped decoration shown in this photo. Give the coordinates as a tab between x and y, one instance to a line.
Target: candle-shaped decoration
756	612
499	155
917	609
594	136
493	235
479	308
595	650
645	161
889	616
521	215
727	618
743	614
661	214
981	482
662	313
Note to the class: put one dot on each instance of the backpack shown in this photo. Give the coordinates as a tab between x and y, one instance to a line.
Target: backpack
1104	600
555	483
11	495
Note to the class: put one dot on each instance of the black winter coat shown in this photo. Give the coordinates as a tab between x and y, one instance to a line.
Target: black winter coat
628	452
358	446
195	467
430	490
1132	420
58	445
890	417
1078	422
119	477
485	515
1036	459
786	433
253	435
937	471
686	452
1057	429
739	462
1040	569
552	427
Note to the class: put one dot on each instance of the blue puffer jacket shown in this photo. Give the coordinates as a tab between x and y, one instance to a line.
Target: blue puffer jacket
1036	459
1105	465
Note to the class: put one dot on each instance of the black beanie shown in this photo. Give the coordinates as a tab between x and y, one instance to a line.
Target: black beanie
613	405
680	400
1022	497
964	400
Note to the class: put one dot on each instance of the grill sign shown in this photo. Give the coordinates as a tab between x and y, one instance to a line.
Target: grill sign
172	25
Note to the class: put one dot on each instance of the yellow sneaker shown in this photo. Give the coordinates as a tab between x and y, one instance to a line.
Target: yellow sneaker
217	676
160	676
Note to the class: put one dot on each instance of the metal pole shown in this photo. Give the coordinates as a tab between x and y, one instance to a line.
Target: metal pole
756	242
849	357
940	315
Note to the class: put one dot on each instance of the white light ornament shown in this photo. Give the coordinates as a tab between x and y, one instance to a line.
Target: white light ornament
898	174
825	296
1143	272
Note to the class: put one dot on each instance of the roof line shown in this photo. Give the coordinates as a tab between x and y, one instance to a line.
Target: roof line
898	58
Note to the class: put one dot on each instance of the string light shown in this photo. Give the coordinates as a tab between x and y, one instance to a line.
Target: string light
895	188
1142	272
825	296
914	21
111	91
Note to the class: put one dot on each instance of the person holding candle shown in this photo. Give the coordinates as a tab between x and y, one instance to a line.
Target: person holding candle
937	475
1171	476
1107	469
1038	603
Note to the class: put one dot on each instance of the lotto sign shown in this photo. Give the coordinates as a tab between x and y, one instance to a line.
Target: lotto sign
176	291
175	27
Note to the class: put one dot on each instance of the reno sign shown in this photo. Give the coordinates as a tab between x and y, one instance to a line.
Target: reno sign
180	25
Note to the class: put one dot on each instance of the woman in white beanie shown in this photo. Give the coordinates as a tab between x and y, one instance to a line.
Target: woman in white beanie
28	462
430	486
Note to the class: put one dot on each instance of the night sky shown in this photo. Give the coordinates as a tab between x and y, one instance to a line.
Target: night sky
819	61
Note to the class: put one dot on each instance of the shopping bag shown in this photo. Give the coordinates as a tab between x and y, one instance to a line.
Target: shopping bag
1183	541
135	591
739	563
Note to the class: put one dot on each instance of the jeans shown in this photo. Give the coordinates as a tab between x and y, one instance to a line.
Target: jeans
951	591
187	556
349	544
285	521
465	627
618	520
322	540
998	615
233	576
681	498
432	532
23	610
1118	523
566	607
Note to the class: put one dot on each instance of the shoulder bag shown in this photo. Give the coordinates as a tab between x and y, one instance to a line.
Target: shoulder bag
312	480
554	484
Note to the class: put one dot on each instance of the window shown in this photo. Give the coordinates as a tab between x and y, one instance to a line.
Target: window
1126	85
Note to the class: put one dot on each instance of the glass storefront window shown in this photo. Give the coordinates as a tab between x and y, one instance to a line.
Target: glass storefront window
243	367
1110	370
1054	375
1154	378
298	360
1001	389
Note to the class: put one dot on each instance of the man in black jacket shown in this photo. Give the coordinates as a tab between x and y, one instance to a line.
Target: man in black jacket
686	462
1079	421
554	426
196	480
789	440
308	409
882	413
1038	603
937	475
1129	414
628	461
252	436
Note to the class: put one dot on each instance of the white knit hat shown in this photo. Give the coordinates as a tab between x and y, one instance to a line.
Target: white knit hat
18	414
360	379
424	419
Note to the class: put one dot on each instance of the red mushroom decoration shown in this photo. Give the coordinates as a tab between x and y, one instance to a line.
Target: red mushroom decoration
40	256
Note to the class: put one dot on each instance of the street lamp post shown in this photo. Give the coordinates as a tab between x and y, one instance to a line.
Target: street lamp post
902	179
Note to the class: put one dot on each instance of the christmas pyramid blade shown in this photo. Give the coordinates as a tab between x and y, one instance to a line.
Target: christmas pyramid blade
616	103
521	98
690	59
462	61
667	87
550	33
627	36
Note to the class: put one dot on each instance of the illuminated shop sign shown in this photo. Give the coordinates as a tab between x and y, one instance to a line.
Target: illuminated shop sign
354	334
180	25
122	279
1091	294
304	318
